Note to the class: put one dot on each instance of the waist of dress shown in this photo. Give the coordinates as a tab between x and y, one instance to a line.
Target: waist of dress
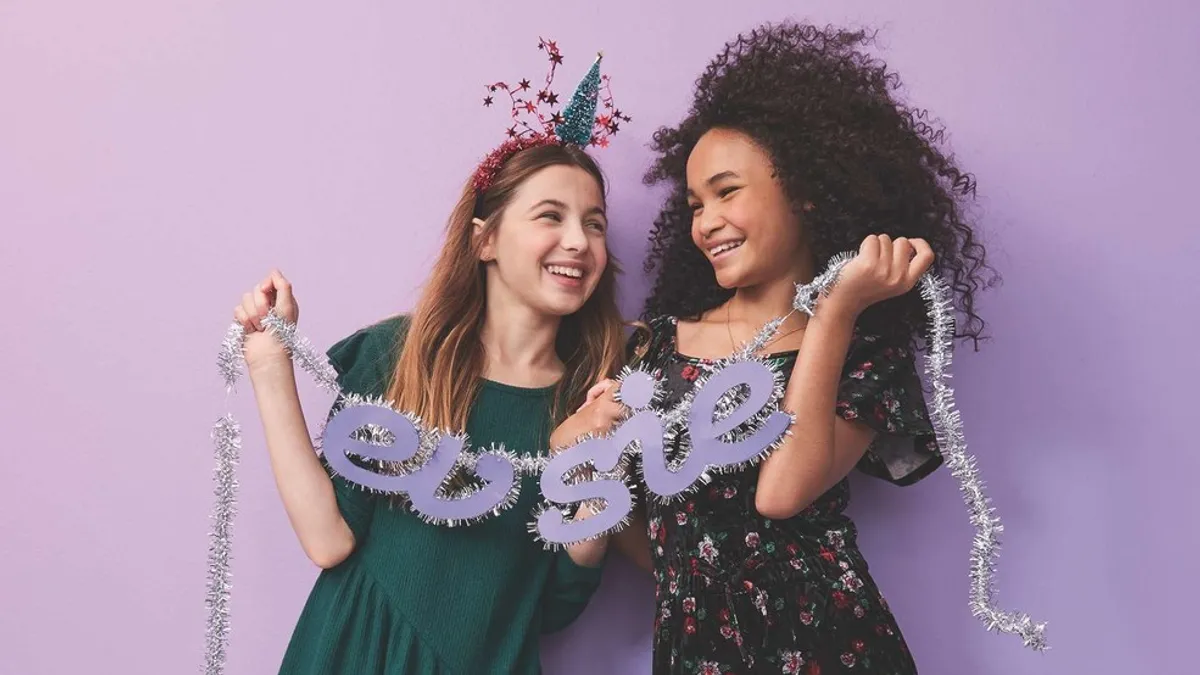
759	570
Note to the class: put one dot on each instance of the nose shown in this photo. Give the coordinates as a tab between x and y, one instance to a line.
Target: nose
574	238
708	222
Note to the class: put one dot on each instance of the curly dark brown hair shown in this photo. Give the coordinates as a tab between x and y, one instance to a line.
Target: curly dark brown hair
827	114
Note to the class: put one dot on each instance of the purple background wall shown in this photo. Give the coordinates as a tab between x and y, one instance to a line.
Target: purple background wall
157	156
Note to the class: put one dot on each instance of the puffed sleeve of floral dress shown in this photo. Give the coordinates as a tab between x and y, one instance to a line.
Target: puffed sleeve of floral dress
880	387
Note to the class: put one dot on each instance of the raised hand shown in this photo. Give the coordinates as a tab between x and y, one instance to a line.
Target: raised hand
274	292
884	268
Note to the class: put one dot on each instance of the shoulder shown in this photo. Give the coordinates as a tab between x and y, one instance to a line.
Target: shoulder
364	360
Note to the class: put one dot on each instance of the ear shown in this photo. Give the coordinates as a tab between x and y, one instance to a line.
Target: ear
487	252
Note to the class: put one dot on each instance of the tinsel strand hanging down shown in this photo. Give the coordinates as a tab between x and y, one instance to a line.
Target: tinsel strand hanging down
227	445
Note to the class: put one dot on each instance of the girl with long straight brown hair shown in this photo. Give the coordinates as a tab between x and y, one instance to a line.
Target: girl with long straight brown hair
518	319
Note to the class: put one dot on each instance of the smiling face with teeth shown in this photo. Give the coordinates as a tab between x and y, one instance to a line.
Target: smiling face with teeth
741	217
548	250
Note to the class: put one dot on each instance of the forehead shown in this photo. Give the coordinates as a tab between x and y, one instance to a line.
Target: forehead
571	185
725	150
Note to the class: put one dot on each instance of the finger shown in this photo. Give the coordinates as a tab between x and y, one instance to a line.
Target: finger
609	413
251	310
262	304
902	253
239	315
285	301
921	262
885	254
881	266
869	249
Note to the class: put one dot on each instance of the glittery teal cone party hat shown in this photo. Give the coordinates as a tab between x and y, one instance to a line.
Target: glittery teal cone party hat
579	117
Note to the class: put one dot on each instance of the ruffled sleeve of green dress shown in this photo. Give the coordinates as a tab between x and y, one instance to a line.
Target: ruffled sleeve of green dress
364	362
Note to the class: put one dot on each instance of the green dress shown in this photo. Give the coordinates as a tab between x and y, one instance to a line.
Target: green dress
419	599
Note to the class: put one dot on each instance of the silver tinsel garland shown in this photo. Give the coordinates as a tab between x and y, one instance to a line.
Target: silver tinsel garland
946	419
226	445
985	548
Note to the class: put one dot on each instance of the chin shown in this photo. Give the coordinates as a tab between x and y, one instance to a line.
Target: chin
561	307
730	279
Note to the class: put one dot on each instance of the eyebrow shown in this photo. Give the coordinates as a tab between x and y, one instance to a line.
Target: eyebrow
716	178
595	210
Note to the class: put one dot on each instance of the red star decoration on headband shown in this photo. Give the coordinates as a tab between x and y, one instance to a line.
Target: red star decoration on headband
531	107
524	85
556	58
552	99
487	101
557	118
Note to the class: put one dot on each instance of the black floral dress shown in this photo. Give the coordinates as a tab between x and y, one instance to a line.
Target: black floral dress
740	594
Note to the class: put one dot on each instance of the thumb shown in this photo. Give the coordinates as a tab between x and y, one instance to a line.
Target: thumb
285	302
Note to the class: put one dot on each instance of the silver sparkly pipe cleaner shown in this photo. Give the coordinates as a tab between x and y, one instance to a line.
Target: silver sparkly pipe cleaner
948	424
227	446
308	359
230	358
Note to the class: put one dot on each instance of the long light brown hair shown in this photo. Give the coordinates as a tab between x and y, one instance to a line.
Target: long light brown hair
440	370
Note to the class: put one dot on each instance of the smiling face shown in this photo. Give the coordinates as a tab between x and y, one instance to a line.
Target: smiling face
548	250
741	217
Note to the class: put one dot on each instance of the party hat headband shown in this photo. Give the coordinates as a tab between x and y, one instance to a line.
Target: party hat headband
536	119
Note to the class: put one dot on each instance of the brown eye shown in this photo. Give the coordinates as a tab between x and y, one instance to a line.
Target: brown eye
551	215
728	191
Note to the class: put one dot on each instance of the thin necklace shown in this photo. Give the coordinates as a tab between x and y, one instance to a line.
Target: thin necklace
729	329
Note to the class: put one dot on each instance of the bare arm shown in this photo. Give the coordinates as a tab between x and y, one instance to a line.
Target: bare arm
823	448
306	489
304	486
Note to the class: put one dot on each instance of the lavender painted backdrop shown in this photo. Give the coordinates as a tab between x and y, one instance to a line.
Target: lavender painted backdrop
156	156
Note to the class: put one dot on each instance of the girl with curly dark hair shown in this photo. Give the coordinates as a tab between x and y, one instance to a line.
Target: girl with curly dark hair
796	149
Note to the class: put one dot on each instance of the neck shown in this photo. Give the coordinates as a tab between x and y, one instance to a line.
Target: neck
758	304
518	344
